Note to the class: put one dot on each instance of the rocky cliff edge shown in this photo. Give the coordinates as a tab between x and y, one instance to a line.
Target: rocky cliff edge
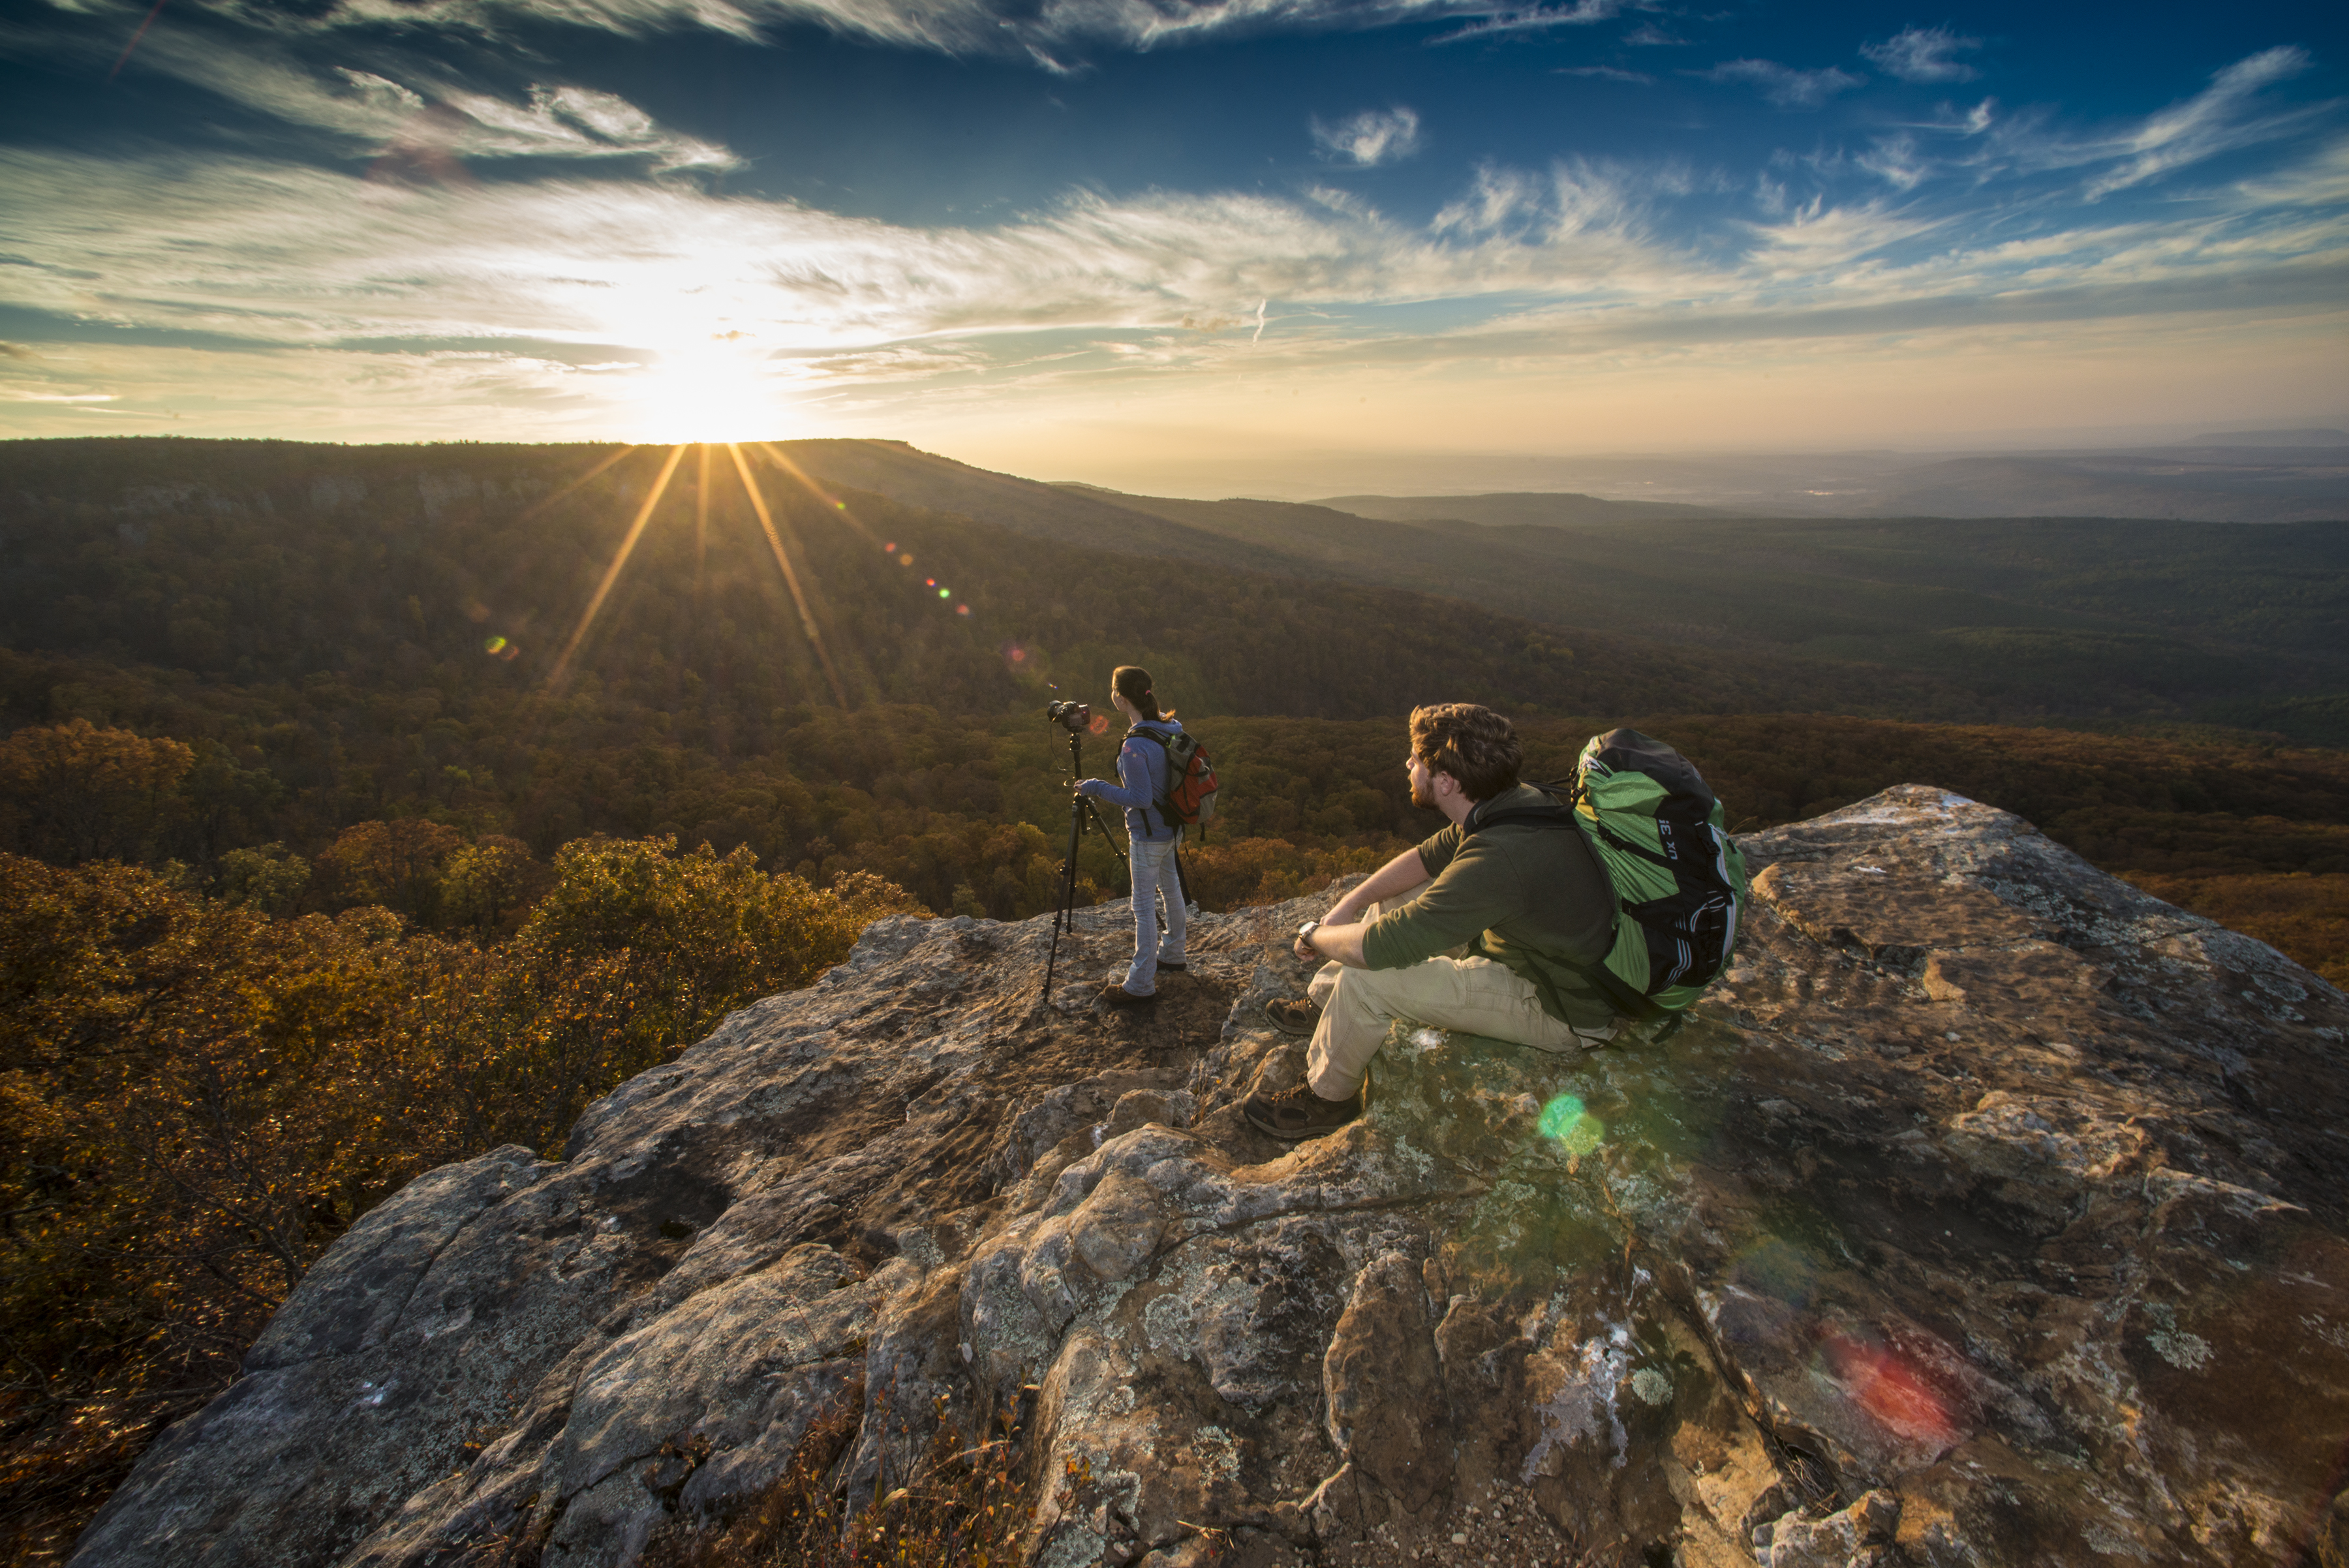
1989	1211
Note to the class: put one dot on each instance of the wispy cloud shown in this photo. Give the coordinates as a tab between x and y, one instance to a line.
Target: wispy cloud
1785	86
430	115
1896	160
1370	138
2210	123
272	254
1923	55
1607	73
1046	34
1536	19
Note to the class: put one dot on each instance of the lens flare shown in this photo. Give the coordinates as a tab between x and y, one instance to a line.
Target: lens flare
1891	1388
1101	724
962	609
1566	1121
906	559
495	645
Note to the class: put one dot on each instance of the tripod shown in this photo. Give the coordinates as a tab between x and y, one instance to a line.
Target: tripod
1082	810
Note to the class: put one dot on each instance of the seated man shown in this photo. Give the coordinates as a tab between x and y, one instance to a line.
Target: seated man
1531	903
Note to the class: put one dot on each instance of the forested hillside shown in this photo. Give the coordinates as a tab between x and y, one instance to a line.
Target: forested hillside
295	642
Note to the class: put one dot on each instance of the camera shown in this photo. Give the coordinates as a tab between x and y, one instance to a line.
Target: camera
1073	717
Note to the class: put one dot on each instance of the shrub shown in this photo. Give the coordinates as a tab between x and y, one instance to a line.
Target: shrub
196	1098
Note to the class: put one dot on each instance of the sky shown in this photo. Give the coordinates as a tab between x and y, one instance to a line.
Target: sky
1082	239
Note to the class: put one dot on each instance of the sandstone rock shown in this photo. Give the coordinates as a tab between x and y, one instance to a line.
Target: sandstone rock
1988	1212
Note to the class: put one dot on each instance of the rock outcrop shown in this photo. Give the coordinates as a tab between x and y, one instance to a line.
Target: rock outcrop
1989	1211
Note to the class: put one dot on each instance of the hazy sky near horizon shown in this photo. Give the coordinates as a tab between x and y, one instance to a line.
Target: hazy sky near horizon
1065	237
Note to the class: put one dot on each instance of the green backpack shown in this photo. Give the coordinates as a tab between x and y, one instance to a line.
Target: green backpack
1680	882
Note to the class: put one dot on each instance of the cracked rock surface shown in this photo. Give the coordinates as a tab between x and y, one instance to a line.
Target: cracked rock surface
1988	1212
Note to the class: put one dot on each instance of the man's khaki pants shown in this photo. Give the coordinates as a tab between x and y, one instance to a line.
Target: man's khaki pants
1471	995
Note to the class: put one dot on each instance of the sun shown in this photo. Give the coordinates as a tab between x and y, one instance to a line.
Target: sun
707	387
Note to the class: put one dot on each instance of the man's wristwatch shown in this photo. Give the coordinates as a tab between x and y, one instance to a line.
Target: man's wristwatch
1305	932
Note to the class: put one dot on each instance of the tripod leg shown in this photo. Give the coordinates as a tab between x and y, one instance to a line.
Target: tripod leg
1065	916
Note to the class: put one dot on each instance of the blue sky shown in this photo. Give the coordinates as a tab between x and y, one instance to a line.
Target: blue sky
1054	236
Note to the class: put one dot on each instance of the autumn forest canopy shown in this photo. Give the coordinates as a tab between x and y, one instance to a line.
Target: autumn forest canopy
339	842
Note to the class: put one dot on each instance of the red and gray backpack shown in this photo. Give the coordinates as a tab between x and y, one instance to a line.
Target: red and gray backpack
1190	797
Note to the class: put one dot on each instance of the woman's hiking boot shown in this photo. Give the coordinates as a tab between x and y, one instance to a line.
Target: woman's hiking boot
1116	995
1293	1017
1299	1113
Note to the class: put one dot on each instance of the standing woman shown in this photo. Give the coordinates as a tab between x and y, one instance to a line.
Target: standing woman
1151	839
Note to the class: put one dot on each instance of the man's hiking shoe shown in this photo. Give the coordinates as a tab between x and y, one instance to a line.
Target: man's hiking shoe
1293	1017
1178	966
1115	995
1299	1113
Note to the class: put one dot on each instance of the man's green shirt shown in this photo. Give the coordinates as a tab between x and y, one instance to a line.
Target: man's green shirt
1535	899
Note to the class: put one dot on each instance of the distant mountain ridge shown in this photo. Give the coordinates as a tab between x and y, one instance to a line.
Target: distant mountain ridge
1512	509
2272	437
2230	624
283	560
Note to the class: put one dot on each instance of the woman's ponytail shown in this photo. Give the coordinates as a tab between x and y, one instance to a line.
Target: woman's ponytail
1131	682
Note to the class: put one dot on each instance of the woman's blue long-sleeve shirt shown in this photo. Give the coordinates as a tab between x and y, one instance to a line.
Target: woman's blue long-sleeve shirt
1141	781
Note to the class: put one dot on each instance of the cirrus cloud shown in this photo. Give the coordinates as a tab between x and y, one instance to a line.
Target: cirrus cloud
1785	86
1370	138
1923	55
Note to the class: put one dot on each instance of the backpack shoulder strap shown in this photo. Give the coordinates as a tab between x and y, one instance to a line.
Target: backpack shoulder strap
1556	813
1158	799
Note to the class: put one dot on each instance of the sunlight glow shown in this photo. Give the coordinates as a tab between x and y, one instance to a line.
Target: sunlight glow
714	386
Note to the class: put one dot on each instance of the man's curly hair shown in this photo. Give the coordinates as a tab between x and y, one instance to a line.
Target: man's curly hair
1474	744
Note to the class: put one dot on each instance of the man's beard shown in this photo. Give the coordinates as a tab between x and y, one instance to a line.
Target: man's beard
1422	798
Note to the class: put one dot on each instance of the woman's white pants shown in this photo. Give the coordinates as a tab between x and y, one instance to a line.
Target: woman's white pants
1154	877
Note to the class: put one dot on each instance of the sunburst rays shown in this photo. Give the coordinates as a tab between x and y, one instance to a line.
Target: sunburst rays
790	577
612	573
575	483
798	579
